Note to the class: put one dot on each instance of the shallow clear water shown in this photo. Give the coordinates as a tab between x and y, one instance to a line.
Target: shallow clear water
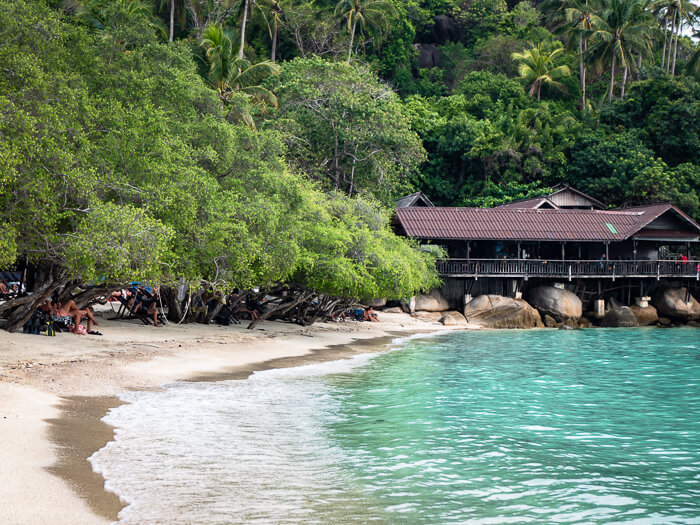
591	426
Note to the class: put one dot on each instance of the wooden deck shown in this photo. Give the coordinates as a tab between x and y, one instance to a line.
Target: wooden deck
567	269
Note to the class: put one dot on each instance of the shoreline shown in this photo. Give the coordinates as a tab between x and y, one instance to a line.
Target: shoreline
55	391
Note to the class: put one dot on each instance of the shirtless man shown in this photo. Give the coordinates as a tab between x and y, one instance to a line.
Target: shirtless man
70	309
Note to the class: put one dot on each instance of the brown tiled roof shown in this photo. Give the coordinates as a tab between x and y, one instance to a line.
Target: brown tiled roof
649	233
527	224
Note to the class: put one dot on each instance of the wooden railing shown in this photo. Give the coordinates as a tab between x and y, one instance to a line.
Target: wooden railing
566	269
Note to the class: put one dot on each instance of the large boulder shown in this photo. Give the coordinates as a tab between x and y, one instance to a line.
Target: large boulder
428	317
496	311
561	304
408	306
645	316
671	303
445	29
375	303
432	302
550	322
453	318
619	316
428	55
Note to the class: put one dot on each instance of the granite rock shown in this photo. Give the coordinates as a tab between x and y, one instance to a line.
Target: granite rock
495	311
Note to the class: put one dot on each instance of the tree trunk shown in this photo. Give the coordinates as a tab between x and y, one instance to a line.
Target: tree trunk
243	23
213	312
275	33
539	88
21	315
612	80
352	37
85	298
670	44
172	20
582	72
675	45
169	296
281	310
663	51
624	82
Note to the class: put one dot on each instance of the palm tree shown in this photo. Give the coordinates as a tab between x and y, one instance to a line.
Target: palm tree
624	30
176	7
272	9
244	19
693	66
662	10
370	12
536	67
228	73
218	47
682	11
575	19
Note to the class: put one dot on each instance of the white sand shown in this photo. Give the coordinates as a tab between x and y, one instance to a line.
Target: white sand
36	371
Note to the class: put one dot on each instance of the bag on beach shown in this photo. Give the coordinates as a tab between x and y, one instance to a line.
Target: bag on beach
79	330
47	325
33	325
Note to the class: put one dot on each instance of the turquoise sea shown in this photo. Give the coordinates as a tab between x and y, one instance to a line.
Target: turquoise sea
597	426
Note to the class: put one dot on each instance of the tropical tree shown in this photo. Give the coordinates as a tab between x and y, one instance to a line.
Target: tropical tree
176	10
217	43
693	66
101	14
536	67
229	73
575	19
681	11
368	13
623	31
272	12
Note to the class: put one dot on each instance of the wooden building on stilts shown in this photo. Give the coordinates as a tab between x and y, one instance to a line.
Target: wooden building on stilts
566	237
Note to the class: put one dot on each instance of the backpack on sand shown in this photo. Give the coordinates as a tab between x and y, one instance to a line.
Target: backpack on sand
47	325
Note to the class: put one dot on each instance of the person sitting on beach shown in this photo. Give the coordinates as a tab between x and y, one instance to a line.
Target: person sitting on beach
142	302
68	310
370	315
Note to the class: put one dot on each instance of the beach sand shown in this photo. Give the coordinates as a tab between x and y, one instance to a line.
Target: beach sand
55	390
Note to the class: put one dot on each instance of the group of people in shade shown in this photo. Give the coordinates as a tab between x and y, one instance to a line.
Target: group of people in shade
359	314
67	315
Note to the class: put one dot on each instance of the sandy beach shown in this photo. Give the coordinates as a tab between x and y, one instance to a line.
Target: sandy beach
55	390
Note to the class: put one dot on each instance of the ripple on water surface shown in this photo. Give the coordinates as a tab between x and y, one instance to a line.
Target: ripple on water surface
594	426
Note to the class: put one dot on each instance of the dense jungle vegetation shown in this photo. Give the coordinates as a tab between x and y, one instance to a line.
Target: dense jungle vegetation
261	143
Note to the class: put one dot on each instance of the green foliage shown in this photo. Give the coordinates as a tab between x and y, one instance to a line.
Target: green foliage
503	193
480	18
349	251
536	68
119	163
666	113
604	166
344	128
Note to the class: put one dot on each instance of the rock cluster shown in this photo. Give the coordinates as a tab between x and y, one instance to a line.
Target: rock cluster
554	307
